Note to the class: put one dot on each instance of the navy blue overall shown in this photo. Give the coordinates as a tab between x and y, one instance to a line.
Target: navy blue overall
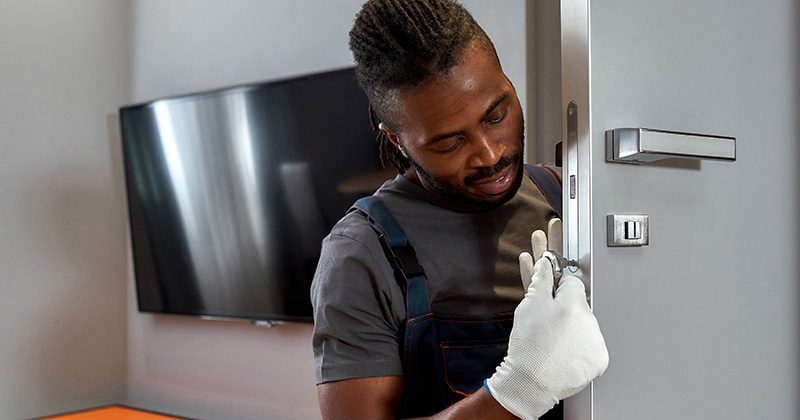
445	357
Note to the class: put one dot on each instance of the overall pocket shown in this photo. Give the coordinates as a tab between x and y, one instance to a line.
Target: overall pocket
468	363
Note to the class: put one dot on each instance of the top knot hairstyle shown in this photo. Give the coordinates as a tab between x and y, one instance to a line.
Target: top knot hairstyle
407	43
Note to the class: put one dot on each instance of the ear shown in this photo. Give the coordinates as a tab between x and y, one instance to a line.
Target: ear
392	137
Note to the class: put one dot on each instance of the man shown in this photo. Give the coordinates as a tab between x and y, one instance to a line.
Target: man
422	346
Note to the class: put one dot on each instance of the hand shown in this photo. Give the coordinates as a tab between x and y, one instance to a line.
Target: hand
539	244
556	347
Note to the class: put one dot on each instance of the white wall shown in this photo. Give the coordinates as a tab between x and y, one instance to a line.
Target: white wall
211	369
63	71
182	46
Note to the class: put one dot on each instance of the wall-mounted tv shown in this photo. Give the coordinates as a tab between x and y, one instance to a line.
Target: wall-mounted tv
231	191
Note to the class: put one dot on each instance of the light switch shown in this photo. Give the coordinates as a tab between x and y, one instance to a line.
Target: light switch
627	230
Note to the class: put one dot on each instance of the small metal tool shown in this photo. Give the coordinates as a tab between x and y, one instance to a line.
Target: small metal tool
559	263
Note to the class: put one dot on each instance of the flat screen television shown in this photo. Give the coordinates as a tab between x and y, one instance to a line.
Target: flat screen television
231	191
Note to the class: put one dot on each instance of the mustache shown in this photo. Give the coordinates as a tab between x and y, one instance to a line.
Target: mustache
498	168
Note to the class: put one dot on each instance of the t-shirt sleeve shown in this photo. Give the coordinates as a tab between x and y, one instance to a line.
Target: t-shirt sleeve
358	306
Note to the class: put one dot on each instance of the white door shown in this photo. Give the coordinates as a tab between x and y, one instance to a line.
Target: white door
704	321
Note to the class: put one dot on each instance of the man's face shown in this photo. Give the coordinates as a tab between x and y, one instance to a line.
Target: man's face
463	133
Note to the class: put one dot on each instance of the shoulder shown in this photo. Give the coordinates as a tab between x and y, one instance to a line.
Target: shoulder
352	259
552	171
351	248
353	227
548	186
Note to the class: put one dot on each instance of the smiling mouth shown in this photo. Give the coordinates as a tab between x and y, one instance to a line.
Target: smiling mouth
496	186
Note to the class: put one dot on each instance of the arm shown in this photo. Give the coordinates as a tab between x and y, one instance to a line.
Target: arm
378	399
360	399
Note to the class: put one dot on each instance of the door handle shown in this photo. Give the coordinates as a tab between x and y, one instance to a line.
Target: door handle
643	145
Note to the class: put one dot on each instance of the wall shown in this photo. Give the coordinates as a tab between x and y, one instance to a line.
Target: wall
213	369
543	31
63	71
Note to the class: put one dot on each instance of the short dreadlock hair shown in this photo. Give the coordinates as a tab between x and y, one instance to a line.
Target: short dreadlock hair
407	43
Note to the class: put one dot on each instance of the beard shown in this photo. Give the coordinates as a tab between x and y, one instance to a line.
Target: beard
460	193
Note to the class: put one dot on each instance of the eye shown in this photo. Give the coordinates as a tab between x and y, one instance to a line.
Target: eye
448	145
496	119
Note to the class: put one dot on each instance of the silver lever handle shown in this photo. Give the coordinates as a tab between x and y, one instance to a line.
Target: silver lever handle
642	145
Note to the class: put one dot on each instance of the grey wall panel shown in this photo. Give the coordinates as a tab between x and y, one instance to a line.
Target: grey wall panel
63	73
704	322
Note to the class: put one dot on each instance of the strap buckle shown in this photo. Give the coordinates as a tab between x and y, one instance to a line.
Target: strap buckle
402	258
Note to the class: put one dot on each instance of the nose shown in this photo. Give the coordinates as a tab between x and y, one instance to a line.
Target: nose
486	151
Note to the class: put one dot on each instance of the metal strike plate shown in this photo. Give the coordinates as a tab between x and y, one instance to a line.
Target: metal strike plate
642	145
628	229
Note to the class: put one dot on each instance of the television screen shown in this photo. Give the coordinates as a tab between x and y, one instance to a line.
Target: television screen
231	191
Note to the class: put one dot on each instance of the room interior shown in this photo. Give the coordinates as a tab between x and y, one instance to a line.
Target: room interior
74	338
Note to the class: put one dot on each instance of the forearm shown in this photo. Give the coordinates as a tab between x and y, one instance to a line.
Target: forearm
480	405
378	399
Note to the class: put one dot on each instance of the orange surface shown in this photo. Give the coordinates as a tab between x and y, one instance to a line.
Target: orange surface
111	413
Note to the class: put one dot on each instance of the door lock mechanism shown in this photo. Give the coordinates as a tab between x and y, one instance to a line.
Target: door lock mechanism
559	263
628	230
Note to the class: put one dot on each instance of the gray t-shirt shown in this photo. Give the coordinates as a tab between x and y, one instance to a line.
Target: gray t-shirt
470	258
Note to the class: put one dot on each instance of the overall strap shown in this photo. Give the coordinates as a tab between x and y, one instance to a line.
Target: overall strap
401	255
548	184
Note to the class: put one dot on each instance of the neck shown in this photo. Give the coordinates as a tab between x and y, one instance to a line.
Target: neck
412	175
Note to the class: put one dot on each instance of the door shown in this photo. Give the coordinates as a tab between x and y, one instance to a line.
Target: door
703	322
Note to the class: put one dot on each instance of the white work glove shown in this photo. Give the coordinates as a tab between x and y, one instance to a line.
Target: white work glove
555	348
539	244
